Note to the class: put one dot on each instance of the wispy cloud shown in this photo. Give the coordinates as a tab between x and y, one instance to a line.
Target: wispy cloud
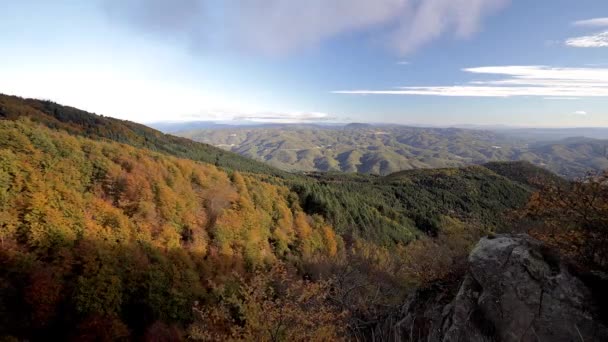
591	41
403	63
524	80
595	22
595	40
284	117
428	20
580	113
260	116
285	26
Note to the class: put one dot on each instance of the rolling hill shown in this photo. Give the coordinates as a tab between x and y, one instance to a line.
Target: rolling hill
399	207
383	210
386	149
82	123
99	238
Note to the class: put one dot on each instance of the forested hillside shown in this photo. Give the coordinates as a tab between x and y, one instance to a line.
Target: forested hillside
99	235
76	121
525	173
303	171
385	149
383	210
401	206
108	233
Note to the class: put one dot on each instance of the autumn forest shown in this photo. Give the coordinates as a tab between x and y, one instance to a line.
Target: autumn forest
111	230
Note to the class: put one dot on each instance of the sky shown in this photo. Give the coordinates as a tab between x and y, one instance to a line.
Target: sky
541	63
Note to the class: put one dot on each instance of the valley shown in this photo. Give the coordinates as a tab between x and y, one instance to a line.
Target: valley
384	149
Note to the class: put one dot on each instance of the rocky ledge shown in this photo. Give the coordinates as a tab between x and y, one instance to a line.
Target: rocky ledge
515	289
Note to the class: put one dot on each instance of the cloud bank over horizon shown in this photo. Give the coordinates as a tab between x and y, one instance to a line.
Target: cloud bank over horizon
285	117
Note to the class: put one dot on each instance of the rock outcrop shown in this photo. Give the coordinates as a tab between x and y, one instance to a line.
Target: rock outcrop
515	290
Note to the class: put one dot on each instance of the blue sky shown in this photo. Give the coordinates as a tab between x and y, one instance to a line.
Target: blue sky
436	62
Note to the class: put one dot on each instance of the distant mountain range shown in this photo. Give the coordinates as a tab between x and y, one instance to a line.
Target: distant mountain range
531	133
383	149
173	127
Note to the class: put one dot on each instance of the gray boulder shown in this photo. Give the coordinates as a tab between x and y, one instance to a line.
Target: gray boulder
515	290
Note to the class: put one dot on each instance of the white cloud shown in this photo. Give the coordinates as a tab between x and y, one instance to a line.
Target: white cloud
284	117
527	80
595	22
258	116
541	72
591	41
430	19
580	113
285	26
403	63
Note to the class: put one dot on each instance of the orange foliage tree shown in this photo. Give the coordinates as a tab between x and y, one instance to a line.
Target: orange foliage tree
573	218
100	236
271	306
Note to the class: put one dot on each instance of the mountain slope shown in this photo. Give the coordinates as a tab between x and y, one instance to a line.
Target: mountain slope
104	239
381	210
572	157
357	148
525	173
104	232
398	207
389	148
79	122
